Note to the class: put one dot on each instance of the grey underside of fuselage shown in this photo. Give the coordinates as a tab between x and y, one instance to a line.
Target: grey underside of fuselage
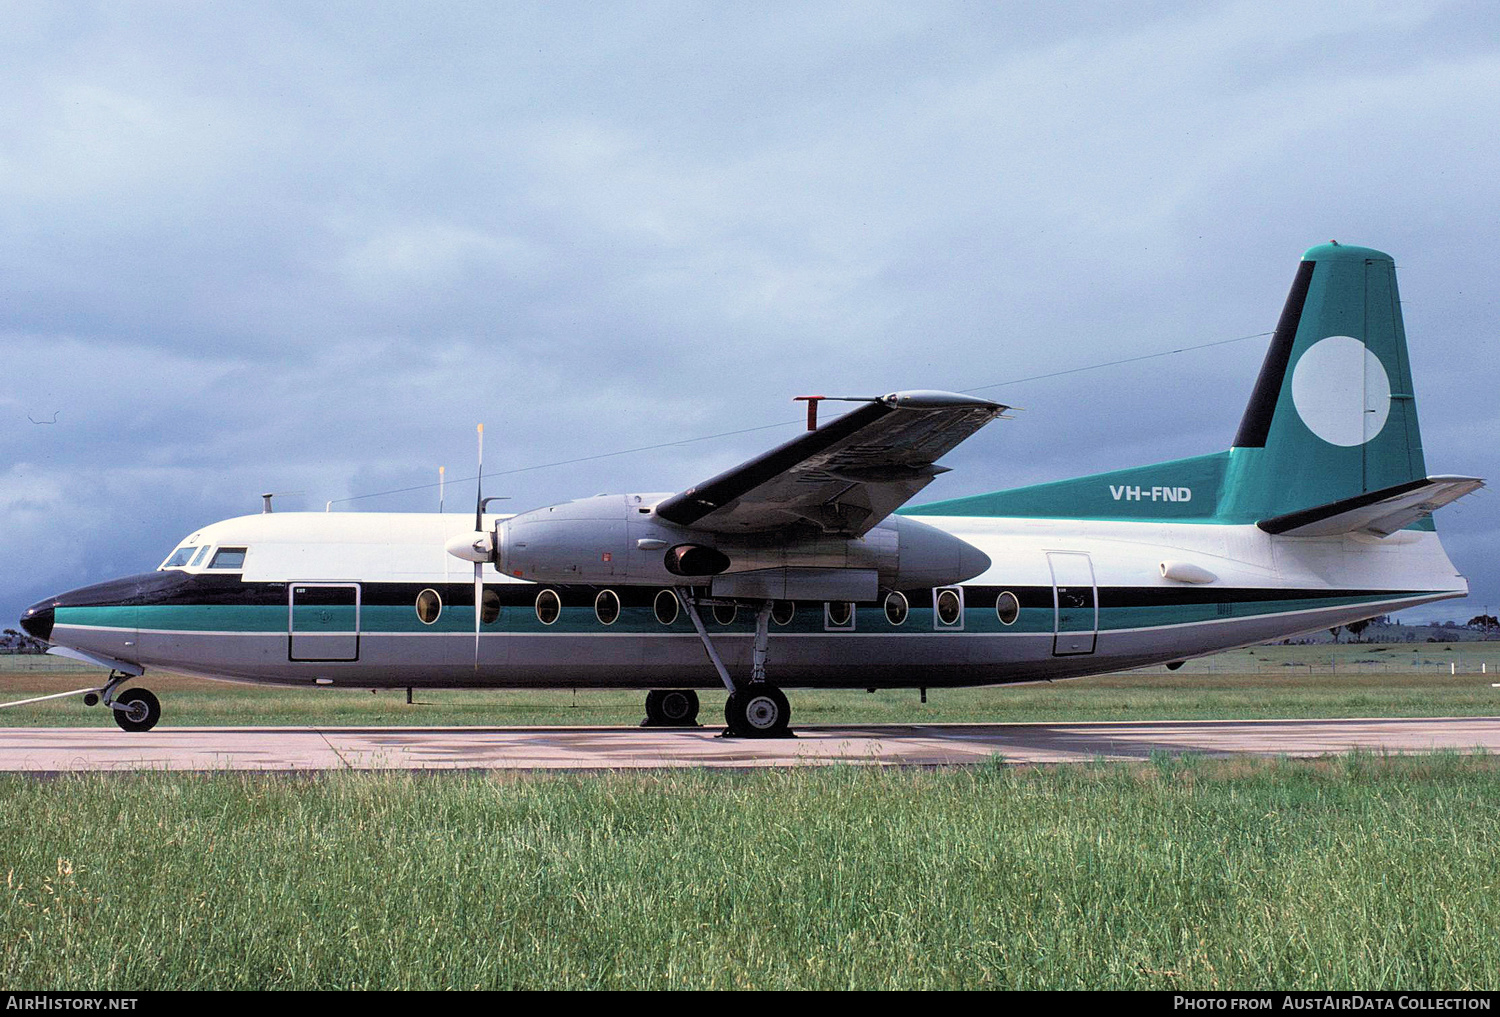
797	660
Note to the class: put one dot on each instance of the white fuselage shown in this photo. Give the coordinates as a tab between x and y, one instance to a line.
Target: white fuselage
333	598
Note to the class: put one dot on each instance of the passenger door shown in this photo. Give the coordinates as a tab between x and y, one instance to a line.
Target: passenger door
1075	603
323	621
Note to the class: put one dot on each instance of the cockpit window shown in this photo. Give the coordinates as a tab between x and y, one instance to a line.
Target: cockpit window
228	558
198	558
180	557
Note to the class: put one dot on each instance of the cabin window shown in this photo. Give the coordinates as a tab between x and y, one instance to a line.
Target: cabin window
429	606
783	611
228	558
724	613
838	614
665	605
180	557
607	607
198	558
548	607
489	607
896	608
949	607
1007	608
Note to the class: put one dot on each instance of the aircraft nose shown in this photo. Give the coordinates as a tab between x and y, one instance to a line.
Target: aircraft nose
37	620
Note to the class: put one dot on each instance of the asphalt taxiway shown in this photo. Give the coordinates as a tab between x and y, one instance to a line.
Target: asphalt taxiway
65	749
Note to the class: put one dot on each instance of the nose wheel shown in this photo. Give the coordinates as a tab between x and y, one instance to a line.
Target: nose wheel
136	710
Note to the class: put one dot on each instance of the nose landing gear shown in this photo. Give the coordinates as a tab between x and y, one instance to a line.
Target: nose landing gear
133	709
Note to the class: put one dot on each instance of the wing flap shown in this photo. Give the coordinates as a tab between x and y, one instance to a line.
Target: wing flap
1380	512
843	478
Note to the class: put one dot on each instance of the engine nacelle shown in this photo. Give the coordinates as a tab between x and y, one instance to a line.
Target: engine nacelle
617	540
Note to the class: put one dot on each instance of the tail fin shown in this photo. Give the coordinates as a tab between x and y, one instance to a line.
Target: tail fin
1329	439
1332	416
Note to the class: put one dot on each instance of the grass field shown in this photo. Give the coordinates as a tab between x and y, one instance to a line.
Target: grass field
1355	872
1396	680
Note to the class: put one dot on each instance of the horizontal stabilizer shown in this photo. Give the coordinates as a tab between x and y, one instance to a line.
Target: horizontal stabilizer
1380	512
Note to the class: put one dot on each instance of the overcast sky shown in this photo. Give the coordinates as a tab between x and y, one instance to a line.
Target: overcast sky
305	248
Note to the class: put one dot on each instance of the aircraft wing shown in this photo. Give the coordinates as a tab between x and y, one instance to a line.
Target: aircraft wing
845	477
1380	513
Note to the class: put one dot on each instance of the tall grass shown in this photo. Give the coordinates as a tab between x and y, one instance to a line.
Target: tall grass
1360	872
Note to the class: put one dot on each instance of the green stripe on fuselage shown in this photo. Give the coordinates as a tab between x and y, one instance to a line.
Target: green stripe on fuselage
977	618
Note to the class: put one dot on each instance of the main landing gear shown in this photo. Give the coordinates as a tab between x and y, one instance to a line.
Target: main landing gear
756	708
671	708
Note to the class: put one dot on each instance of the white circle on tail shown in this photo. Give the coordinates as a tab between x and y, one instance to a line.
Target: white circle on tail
1341	391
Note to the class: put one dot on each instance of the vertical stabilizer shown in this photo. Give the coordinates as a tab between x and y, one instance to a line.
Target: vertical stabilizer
1332	415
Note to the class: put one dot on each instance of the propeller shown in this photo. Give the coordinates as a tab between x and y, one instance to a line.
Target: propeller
478	528
477	547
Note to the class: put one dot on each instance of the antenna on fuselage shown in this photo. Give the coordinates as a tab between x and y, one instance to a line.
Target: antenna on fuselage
441	470
265	506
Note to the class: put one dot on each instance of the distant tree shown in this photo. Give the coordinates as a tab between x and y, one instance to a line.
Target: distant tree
12	641
1355	628
1334	632
1484	621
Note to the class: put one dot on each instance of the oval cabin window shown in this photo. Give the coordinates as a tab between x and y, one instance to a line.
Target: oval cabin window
1007	608
783	611
607	607
429	606
724	613
949	608
896	608
840	612
548	607
665	607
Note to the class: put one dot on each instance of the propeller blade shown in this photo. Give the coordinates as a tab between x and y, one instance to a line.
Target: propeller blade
478	528
479	486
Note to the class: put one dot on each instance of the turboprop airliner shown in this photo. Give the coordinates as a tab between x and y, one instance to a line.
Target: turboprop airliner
806	568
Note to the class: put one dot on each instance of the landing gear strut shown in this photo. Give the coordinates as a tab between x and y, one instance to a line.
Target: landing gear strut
755	708
671	708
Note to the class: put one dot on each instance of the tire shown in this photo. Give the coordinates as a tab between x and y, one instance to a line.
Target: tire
761	711
679	707
143	713
671	708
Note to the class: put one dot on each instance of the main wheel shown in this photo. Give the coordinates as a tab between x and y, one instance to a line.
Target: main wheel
142	710
671	708
761	711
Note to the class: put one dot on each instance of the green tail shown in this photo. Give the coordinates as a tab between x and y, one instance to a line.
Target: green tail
1332	417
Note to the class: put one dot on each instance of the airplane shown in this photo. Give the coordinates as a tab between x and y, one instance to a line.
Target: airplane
806	568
